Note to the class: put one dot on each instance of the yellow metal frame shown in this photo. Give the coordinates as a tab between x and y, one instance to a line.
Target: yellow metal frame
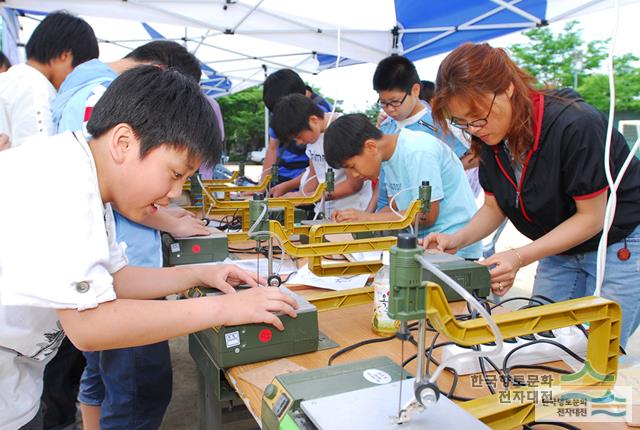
227	189
317	248
234	175
604	318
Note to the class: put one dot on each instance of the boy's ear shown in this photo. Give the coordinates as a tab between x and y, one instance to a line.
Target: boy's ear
65	57
121	143
370	147
415	90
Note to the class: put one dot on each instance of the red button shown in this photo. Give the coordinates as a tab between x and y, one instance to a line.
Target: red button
624	254
265	335
196	248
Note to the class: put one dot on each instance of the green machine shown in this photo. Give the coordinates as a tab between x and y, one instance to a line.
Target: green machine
235	345
195	249
281	402
472	276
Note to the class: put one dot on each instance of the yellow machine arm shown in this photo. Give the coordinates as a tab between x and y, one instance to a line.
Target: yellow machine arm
187	185
230	207
604	318
317	248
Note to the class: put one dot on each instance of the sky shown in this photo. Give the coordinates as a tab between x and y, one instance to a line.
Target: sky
353	85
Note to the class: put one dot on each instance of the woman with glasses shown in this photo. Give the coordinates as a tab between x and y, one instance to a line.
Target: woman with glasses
542	167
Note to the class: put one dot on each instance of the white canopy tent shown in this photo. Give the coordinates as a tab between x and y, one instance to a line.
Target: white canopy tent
246	39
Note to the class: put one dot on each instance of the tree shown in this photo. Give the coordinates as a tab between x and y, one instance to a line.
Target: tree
595	88
564	60
557	60
372	112
243	115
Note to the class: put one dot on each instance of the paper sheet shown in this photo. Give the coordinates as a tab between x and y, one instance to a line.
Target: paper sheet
337	283
252	264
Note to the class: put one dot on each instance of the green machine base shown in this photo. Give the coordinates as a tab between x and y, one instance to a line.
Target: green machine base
250	343
282	398
472	276
277	214
196	249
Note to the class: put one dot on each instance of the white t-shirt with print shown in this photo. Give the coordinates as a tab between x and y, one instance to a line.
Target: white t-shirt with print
58	251
26	96
359	200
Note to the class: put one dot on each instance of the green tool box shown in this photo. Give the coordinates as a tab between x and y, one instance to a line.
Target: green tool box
249	343
195	249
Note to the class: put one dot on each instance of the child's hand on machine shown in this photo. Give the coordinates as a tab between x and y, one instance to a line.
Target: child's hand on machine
187	226
292	194
440	241
279	190
178	212
225	277
350	215
258	305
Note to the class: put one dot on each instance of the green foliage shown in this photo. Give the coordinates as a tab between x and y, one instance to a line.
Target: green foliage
372	112
555	59
564	59
243	115
595	88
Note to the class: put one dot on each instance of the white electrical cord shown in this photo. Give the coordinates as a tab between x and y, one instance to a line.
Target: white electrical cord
211	199
398	214
475	304
253	233
601	260
303	183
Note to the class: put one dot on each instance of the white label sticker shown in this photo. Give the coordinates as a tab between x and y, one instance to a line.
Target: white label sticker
175	247
376	376
232	339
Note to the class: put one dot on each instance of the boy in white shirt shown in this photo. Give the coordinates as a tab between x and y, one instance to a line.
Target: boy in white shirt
70	276
298	117
58	44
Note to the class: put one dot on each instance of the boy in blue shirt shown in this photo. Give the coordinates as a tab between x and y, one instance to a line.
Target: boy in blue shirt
290	157
407	159
398	86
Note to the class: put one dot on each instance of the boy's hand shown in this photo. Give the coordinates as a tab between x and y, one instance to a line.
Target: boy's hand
349	215
279	190
178	212
5	142
292	194
226	276
258	305
442	242
187	226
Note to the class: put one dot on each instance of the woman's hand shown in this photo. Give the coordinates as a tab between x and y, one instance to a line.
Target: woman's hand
505	267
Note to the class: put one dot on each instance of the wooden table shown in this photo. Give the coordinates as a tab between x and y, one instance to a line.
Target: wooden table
349	325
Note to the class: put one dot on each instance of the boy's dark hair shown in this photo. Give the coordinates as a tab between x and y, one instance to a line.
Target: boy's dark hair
426	90
4	61
279	84
164	107
395	73
345	138
169	54
58	33
291	116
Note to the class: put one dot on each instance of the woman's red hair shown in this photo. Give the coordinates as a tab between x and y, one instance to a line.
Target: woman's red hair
472	71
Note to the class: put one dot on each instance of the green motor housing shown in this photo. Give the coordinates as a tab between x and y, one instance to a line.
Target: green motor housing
407	295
